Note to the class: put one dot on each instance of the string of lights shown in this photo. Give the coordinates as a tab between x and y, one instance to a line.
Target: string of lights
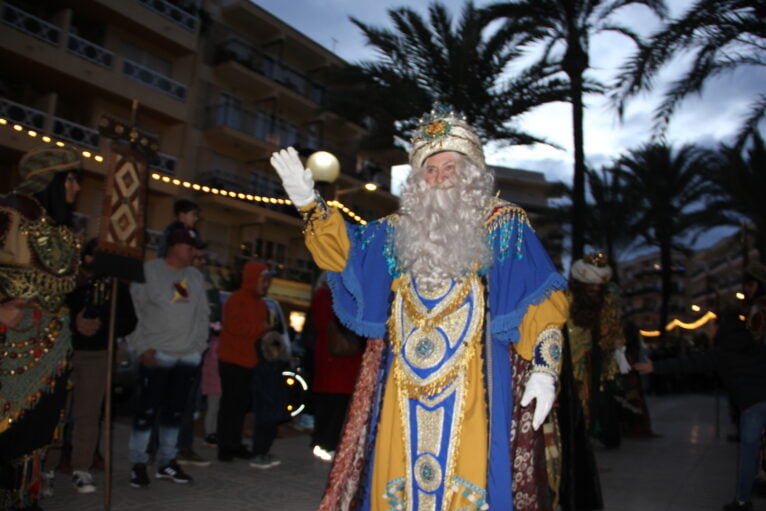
678	323
178	182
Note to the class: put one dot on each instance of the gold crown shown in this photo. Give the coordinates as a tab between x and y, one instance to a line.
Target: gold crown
598	258
444	130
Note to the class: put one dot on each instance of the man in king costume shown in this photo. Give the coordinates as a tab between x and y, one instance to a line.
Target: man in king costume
451	290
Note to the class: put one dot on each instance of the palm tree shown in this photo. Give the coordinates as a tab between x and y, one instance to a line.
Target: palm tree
740	177
421	62
565	28
610	213
724	35
611	218
672	188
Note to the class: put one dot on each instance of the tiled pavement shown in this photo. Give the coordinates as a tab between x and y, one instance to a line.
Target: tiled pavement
686	469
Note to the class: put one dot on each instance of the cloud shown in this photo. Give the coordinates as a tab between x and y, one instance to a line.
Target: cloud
708	119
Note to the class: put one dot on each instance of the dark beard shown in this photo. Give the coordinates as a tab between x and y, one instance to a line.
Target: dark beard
586	308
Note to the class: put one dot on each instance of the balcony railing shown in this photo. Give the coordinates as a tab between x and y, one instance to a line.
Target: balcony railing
21	114
164	163
31	25
154	79
171	12
252	58
90	51
223	179
256	124
76	133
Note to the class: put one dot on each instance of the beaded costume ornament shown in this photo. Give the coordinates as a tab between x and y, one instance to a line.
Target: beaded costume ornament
444	130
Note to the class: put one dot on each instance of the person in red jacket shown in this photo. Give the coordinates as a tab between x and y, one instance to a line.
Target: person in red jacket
245	321
334	374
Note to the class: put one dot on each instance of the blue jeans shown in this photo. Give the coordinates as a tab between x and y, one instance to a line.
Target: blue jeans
752	422
164	389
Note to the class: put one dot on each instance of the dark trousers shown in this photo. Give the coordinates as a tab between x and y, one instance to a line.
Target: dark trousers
186	433
263	437
329	415
235	401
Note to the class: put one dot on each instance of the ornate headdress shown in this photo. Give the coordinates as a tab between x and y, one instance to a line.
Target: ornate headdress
37	167
593	268
444	130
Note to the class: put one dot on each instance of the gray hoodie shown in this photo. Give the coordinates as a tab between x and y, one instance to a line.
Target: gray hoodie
172	310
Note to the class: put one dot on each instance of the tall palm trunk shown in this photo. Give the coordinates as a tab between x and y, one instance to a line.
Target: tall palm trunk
666	274
575	64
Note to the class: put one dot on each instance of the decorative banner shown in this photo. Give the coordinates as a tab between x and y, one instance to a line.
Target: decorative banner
121	236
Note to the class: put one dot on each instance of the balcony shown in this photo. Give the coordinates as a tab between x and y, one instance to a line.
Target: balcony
62	129
31	25
107	71
257	129
154	79
175	14
90	51
76	133
24	115
164	163
237	50
224	180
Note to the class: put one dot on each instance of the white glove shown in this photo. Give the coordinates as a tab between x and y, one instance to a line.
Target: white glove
298	182
622	361
541	387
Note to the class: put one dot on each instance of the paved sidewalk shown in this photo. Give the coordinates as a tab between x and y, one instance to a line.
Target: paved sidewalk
687	469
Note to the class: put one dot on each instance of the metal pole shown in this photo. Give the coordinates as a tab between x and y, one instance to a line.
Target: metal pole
108	400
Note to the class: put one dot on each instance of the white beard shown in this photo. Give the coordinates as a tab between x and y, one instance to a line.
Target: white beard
440	235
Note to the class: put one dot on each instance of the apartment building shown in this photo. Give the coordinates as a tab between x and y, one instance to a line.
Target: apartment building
709	277
220	84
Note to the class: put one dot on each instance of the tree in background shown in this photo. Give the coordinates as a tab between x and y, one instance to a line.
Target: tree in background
564	28
672	190
739	177
723	35
462	65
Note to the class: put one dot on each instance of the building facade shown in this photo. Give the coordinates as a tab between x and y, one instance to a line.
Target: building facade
220	84
710	277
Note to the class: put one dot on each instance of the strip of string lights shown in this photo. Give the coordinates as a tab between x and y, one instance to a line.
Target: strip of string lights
164	178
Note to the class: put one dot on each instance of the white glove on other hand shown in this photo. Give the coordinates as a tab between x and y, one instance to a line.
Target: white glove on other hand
622	361
542	388
298	182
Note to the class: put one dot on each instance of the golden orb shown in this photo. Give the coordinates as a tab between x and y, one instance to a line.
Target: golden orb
324	166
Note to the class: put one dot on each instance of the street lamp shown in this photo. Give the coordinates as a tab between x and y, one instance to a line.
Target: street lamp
370	187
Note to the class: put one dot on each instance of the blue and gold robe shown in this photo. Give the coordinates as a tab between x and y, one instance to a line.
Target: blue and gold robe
440	420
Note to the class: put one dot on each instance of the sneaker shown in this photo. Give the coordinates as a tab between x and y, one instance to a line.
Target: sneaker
174	472
138	476
83	481
211	439
189	457
323	454
736	505
265	461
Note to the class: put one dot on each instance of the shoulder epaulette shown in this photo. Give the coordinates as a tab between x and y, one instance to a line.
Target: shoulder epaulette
500	211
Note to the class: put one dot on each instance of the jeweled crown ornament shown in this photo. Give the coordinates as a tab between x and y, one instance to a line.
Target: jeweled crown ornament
442	129
597	258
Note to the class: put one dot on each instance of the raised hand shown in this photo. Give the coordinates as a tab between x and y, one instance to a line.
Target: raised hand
297	181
